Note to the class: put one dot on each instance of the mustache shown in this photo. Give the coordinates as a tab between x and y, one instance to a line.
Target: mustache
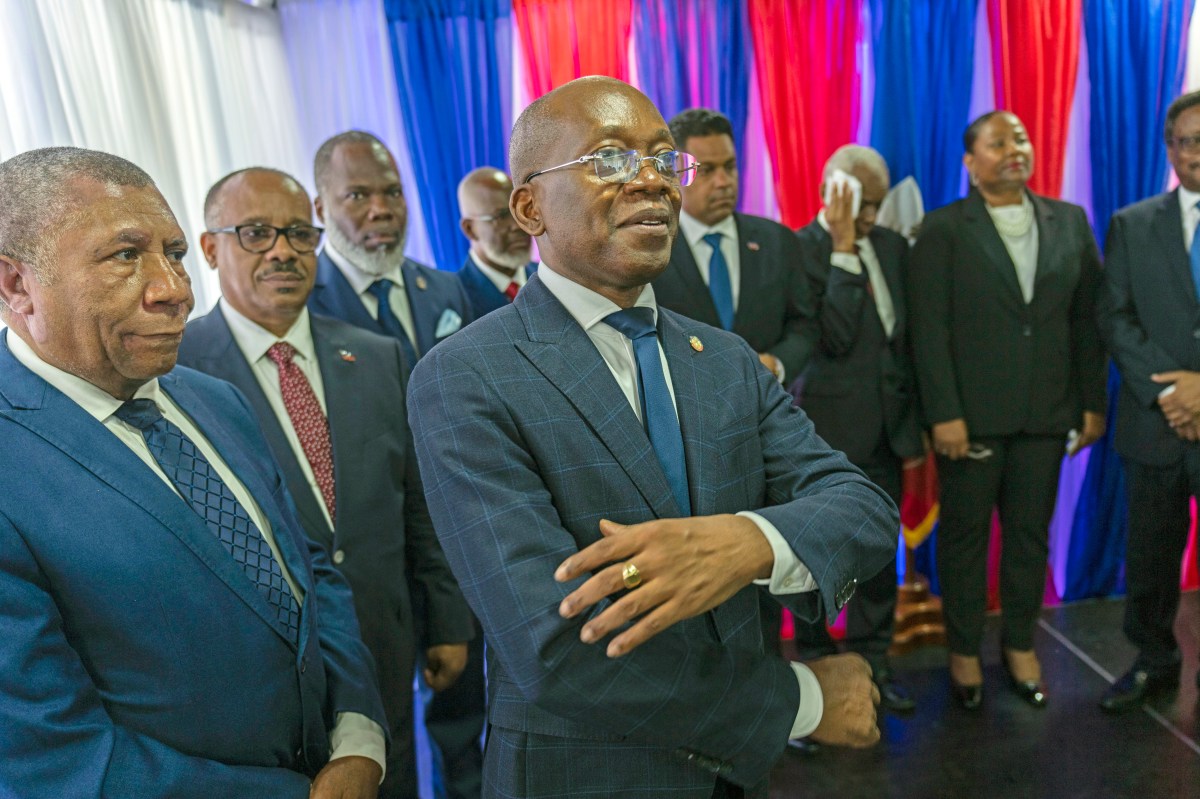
284	268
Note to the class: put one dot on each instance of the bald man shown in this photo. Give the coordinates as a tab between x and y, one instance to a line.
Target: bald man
498	263
859	388
586	497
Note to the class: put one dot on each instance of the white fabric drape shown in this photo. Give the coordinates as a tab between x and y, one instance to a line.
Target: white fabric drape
187	89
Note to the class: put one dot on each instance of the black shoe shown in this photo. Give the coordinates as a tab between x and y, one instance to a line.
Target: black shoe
1134	686
1030	691
969	697
892	695
805	746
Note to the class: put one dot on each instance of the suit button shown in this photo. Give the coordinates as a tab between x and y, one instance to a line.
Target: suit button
1027	331
338	557
303	664
1196	334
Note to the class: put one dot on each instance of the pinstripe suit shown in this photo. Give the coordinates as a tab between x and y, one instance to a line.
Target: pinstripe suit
525	442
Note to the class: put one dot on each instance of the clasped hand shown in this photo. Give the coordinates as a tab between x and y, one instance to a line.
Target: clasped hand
1181	406
688	566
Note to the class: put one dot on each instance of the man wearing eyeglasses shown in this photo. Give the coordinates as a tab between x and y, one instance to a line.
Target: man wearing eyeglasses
587	455
498	261
1147	311
330	399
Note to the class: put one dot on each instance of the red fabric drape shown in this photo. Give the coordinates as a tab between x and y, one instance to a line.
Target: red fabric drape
806	60
1035	55
567	39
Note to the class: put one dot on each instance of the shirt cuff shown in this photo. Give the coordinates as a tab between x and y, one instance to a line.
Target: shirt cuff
812	702
356	735
788	574
846	261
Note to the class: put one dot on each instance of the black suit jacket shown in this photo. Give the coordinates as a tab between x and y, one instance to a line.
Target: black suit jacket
859	385
982	354
774	313
383	532
1151	321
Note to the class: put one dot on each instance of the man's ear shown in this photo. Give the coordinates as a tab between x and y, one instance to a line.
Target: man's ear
14	277
467	229
208	246
524	207
319	208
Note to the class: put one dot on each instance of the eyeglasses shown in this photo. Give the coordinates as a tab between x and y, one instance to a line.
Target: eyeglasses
1188	144
622	167
258	238
500	217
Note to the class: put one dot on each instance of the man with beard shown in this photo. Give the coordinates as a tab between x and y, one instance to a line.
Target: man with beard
498	262
322	389
362	275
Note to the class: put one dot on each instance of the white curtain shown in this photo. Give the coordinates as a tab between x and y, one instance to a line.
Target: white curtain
189	90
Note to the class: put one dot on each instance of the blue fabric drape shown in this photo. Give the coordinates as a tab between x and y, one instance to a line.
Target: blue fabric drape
924	51
1136	54
453	62
696	53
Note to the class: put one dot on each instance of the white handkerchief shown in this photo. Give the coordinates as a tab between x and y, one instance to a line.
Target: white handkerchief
449	323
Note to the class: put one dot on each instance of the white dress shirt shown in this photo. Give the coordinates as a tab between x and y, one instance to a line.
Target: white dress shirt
694	231
360	280
788	574
498	278
854	264
353	733
1023	250
254	341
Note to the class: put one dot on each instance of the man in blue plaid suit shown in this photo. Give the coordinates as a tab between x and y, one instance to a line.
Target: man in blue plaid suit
614	582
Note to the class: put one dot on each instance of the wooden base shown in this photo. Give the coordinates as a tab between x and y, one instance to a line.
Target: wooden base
918	617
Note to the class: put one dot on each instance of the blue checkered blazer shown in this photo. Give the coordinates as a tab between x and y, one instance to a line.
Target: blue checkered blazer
525	443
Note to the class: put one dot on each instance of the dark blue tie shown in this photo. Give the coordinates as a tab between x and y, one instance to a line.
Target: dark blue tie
198	482
382	289
718	281
1196	256
658	411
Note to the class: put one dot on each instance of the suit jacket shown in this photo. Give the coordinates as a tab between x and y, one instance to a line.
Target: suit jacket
526	442
434	297
859	387
482	292
382	533
137	660
1151	322
985	355
774	310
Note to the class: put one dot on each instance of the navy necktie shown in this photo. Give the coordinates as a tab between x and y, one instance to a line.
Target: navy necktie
198	482
658	411
1196	256
718	281
382	289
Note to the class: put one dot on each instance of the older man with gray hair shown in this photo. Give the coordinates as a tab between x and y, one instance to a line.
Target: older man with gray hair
167	630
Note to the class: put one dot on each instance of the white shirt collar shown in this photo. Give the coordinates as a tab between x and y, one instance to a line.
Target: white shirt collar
694	230
97	402
1188	200
359	279
588	307
254	340
498	278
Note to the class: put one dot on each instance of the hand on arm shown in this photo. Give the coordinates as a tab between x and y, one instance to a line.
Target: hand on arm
1091	431
688	566
850	699
950	439
443	665
773	364
347	778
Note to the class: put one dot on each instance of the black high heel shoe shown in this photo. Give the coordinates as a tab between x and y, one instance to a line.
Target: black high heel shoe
968	697
1031	692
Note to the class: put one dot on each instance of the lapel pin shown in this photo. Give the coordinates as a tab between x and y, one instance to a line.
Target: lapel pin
347	356
752	246
696	343
421	284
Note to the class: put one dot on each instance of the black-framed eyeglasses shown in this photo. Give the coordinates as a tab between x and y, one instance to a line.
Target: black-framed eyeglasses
1188	144
502	216
622	167
259	238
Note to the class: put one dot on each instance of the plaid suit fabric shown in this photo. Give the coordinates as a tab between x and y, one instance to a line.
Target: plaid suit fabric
525	443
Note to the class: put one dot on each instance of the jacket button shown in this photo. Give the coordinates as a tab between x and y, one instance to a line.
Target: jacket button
303	664
1196	334
1027	331
338	557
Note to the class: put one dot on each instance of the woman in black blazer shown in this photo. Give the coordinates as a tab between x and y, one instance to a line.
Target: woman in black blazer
1002	288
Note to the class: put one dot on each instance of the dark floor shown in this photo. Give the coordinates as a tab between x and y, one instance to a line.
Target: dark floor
1008	750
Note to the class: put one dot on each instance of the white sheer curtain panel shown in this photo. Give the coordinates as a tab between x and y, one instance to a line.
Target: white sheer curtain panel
189	90
341	64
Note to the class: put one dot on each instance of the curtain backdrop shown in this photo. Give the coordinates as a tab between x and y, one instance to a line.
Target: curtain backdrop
452	61
567	39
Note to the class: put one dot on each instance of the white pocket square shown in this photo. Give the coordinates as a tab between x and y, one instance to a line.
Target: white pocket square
449	323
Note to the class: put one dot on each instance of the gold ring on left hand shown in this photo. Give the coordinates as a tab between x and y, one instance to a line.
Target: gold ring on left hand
631	576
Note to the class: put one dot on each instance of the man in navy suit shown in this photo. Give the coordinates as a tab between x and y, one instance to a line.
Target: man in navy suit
362	275
497	264
585	495
168	630
330	398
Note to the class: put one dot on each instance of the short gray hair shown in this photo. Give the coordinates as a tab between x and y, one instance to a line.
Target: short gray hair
36	194
849	157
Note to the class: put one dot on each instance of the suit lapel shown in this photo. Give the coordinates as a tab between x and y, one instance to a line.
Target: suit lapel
890	266
333	296
561	351
342	378
421	306
1168	229
983	232
1048	242
749	273
697	294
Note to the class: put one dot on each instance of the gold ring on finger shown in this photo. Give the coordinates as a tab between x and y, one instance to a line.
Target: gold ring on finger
631	576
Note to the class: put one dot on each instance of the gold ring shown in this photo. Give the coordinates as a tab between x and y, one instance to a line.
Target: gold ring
631	576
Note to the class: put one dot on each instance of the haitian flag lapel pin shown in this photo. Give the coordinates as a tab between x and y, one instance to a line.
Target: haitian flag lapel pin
752	246
347	356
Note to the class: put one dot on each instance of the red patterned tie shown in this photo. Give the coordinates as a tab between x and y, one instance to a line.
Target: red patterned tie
308	421
511	291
